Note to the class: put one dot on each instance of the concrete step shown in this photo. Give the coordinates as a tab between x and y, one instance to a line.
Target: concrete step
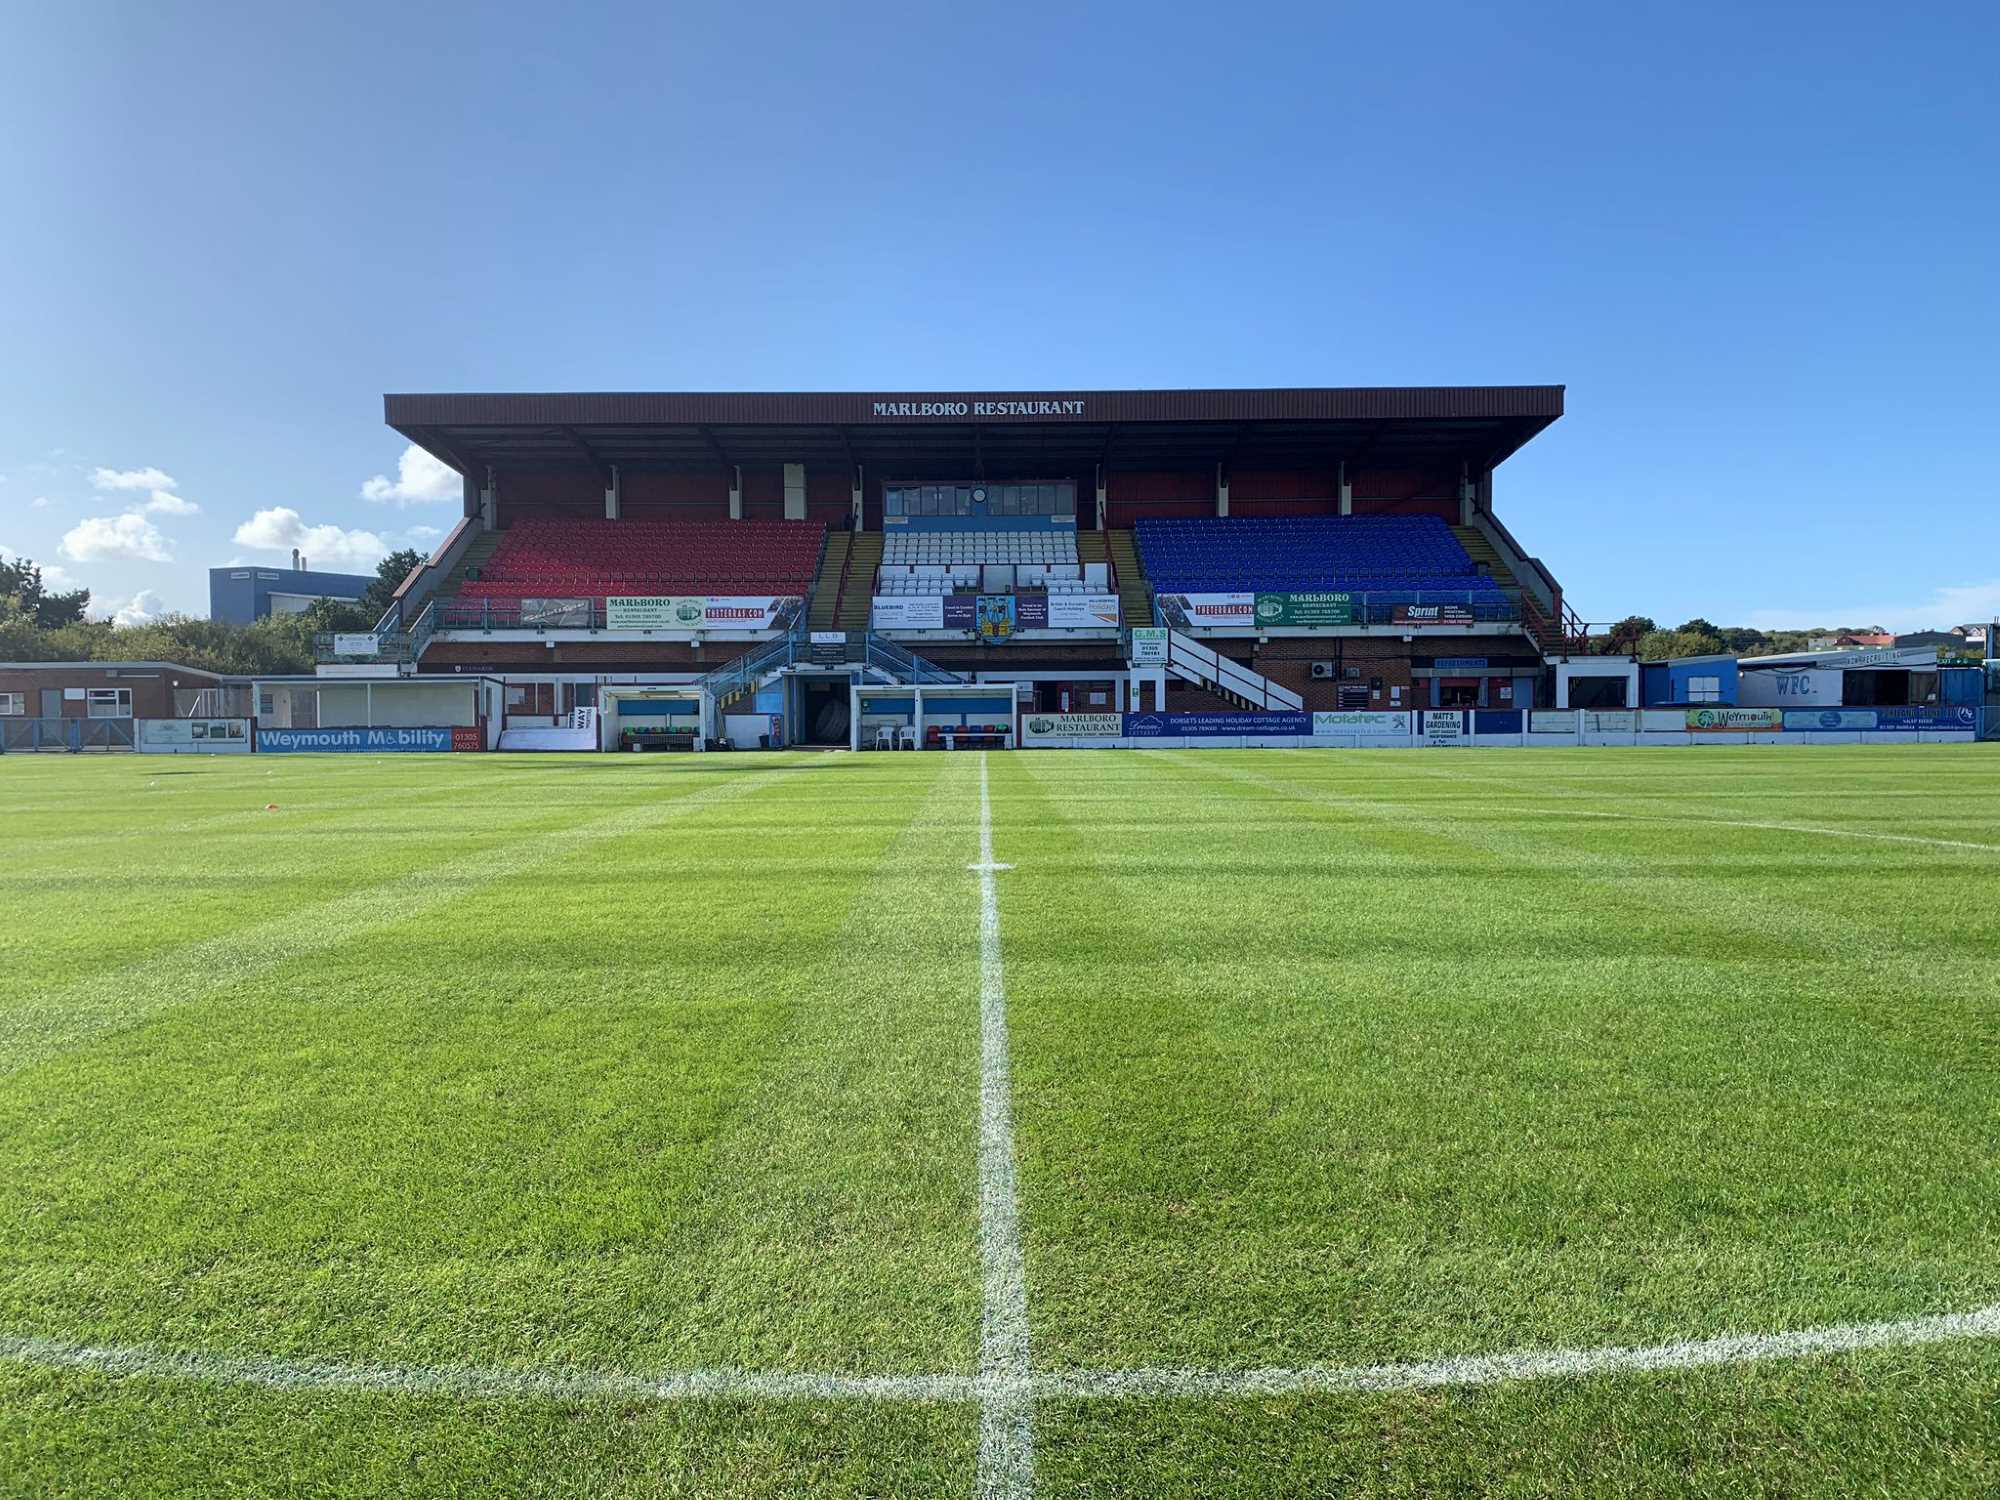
857	593
826	588
1135	595
478	552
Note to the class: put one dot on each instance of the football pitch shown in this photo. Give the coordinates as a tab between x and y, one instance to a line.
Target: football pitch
1061	1124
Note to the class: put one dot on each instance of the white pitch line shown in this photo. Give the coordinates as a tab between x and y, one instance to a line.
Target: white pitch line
1533	1364
268	1373
1007	1400
1831	833
280	1374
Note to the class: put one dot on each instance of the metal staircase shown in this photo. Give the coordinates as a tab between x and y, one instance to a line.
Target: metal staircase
896	664
1228	680
741	676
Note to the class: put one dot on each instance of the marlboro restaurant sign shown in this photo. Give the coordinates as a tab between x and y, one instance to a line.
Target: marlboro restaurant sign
950	409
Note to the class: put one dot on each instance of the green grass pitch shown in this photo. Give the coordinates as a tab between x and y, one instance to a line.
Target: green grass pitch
418	1137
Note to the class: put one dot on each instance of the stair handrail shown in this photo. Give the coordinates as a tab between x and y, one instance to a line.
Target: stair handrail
442	559
739	671
423	628
904	664
1231	676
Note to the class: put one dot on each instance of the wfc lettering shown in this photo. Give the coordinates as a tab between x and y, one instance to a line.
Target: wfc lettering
978	408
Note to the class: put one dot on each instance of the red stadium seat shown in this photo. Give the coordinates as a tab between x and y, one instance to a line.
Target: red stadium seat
571	559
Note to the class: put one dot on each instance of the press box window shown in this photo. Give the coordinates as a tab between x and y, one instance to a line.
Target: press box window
1704	690
13	703
110	703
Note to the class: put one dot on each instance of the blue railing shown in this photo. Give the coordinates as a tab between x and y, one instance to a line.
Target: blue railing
734	676
422	629
905	665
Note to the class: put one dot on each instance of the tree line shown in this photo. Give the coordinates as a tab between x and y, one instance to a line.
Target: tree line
1638	634
37	624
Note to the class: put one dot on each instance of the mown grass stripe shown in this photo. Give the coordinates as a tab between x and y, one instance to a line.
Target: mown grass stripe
129	996
1679	818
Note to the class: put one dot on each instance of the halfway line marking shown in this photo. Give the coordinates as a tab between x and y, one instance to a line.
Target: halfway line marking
1007	1399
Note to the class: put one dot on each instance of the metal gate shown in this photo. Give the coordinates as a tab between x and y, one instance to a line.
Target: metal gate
73	735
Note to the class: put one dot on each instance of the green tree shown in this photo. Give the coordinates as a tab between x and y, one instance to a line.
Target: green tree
389	576
1660	645
21	581
1624	637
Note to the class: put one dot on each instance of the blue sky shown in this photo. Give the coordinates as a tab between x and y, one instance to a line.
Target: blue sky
1758	244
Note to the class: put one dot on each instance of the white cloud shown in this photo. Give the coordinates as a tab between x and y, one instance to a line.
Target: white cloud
281	528
131	479
1949	605
423	533
142	608
131	537
420	480
167	503
159	486
40	502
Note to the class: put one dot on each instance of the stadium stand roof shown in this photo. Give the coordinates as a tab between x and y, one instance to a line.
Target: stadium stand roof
962	431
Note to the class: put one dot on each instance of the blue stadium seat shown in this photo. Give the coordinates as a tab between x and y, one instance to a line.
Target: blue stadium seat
1382	556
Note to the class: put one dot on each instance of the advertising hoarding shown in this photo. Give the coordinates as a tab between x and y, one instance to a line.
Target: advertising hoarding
556	614
694	611
1734	720
318	741
1213	611
1215	726
1304	610
194	736
1362	721
1044	727
1433	614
